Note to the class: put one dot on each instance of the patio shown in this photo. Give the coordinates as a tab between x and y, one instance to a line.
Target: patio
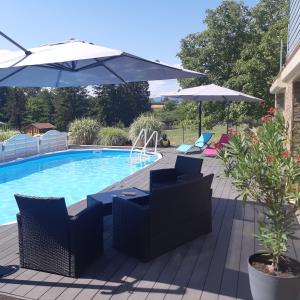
210	267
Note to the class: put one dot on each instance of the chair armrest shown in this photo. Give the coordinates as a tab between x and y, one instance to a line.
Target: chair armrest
86	234
131	227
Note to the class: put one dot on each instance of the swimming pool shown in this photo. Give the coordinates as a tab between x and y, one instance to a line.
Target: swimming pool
72	174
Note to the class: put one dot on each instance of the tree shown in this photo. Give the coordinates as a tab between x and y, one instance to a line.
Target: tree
217	48
115	104
3	101
39	108
239	49
258	65
69	104
14	108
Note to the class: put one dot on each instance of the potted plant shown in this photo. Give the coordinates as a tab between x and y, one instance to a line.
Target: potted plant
262	169
164	141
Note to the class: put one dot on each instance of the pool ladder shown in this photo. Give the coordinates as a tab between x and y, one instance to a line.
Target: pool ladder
142	152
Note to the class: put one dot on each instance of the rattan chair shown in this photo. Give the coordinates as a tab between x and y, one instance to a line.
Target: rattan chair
173	215
52	241
186	168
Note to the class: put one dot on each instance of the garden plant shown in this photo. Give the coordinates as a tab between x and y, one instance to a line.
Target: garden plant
262	168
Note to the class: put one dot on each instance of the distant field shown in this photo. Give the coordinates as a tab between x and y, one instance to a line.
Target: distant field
190	135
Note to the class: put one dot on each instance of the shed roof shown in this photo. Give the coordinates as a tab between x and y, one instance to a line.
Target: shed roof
41	126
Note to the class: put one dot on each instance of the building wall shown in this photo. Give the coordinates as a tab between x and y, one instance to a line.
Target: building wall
294	26
286	86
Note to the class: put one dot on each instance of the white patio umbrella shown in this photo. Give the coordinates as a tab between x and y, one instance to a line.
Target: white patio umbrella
77	63
211	92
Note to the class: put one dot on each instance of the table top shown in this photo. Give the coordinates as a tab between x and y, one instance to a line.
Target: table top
107	196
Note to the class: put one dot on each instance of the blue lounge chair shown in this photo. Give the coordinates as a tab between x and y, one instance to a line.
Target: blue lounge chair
200	143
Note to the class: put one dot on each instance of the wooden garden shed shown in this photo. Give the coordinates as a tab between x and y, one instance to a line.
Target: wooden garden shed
38	128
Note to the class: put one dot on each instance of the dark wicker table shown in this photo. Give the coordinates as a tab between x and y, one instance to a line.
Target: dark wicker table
107	197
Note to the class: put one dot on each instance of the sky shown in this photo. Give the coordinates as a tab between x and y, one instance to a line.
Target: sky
148	28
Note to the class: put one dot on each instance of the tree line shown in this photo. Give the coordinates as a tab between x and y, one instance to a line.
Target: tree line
240	49
111	105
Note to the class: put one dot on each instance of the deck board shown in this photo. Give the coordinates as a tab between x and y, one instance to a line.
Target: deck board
210	267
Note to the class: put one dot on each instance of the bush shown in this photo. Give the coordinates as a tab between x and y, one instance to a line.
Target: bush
148	122
6	134
264	170
112	136
84	131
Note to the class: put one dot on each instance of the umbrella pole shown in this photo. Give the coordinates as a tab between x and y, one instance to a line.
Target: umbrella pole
200	118
27	52
228	111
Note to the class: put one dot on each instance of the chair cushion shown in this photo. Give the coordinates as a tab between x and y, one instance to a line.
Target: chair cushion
184	148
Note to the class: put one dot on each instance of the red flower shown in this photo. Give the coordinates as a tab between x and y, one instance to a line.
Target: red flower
254	140
285	154
297	158
230	130
272	110
266	118
270	158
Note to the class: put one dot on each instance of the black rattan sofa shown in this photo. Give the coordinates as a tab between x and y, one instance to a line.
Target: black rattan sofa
173	215
185	168
52	241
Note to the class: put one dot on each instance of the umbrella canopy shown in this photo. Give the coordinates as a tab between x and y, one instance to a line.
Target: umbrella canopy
211	92
77	63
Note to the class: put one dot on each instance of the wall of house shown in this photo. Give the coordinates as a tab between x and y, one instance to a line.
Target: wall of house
296	116
286	86
288	101
294	25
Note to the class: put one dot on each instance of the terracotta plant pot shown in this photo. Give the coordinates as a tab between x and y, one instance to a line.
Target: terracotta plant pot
268	287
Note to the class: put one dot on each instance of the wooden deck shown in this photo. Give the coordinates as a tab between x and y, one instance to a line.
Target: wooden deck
211	267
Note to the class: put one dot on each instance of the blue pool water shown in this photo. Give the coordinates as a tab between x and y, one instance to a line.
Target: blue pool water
72	174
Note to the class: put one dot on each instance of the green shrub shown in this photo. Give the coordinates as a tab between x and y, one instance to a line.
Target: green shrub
84	131
263	169
148	122
6	134
113	136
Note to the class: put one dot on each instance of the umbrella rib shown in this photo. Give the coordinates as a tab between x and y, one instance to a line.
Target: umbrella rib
27	52
157	63
11	74
101	63
96	64
56	67
114	73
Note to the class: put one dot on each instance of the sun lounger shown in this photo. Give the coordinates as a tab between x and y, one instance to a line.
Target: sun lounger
200	143
213	150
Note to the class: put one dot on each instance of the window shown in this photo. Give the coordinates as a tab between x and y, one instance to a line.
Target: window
280	101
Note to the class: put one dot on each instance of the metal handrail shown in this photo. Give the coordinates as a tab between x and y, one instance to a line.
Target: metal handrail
154	133
146	141
138	138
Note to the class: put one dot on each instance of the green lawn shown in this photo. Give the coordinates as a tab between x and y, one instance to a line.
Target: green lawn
190	135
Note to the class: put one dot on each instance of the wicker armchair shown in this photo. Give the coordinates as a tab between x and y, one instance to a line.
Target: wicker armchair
52	241
185	169
173	215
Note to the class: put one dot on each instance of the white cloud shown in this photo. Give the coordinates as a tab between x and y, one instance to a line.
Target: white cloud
159	87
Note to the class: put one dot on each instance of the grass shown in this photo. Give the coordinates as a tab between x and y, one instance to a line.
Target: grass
191	134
